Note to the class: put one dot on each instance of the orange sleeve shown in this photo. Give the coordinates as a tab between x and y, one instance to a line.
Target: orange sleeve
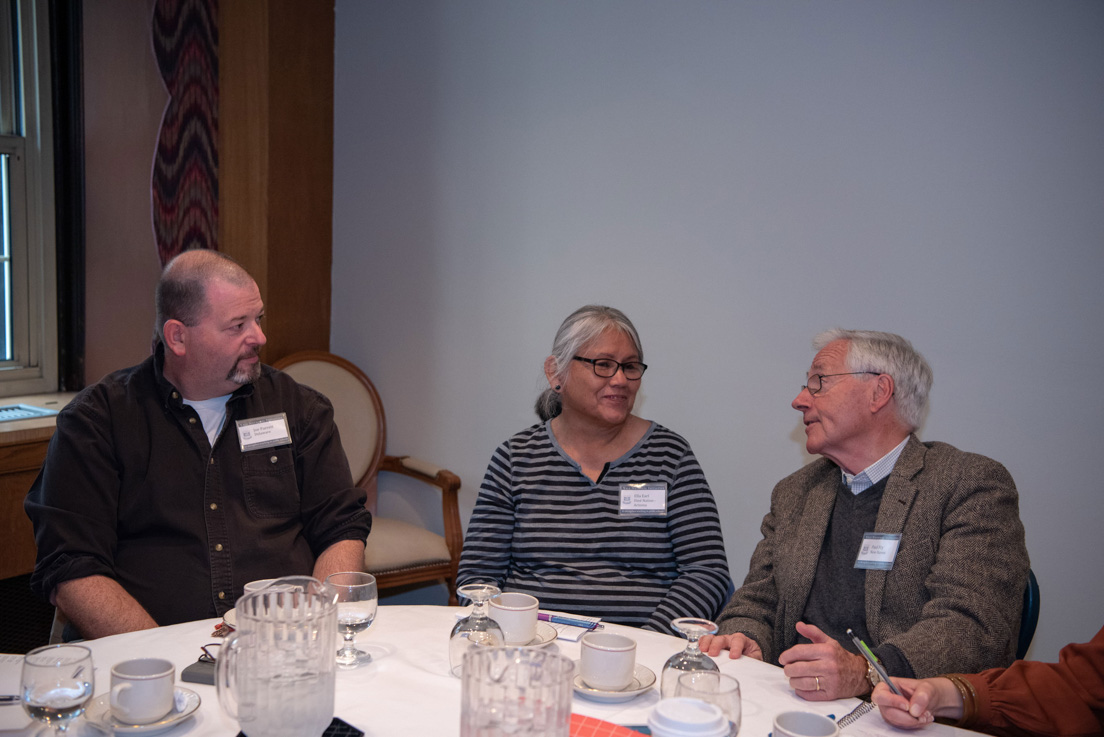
1064	698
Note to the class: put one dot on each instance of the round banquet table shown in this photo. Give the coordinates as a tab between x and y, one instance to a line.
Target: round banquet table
407	690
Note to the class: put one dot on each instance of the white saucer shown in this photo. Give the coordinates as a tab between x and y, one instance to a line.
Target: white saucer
546	635
231	618
642	682
99	713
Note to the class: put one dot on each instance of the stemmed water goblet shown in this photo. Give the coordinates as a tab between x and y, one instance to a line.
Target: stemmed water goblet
57	683
477	629
692	658
713	687
356	608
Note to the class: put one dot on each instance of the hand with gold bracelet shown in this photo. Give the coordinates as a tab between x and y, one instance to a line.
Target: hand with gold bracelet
948	697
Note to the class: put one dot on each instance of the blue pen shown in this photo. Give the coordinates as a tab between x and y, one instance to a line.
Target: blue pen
559	619
867	653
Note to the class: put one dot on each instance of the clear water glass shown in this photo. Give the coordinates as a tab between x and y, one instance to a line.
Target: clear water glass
477	629
515	691
356	609
692	658
56	684
713	687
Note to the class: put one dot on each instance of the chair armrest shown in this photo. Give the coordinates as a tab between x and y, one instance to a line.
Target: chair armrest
443	479
416	468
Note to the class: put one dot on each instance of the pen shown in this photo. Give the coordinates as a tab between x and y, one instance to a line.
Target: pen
559	619
9	699
870	658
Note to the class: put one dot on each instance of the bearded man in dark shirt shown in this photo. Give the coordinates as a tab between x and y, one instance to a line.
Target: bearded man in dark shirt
170	485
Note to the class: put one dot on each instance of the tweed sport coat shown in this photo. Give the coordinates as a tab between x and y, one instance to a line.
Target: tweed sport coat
951	603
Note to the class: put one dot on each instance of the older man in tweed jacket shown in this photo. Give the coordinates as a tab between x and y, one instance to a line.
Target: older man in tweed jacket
917	547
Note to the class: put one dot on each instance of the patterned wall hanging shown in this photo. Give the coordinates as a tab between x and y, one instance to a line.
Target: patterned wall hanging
185	167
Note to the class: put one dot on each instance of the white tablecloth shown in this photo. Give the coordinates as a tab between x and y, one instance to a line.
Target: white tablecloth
407	690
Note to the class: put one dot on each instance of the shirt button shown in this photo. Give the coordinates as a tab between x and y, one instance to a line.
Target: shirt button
213	506
222	594
191	420
218	548
273	459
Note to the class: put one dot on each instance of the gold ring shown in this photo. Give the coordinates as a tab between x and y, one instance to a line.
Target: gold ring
817	682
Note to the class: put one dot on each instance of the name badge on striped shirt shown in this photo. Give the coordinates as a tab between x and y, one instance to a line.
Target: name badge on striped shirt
878	550
263	432
644	500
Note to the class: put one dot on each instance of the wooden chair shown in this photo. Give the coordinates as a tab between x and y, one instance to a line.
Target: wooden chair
397	553
1029	616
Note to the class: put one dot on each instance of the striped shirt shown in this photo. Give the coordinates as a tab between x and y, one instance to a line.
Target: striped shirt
875	472
540	526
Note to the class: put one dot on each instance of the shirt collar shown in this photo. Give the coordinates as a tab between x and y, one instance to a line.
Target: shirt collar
875	472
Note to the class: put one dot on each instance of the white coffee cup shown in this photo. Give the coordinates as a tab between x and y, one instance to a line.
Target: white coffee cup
516	614
606	660
680	717
257	585
142	690
804	724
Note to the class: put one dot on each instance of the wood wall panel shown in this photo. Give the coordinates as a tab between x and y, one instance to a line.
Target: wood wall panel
276	161
20	462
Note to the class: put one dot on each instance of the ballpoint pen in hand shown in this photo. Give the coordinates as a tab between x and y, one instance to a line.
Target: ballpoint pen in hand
867	653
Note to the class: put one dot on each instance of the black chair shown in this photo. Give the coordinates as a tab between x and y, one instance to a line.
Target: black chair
1029	618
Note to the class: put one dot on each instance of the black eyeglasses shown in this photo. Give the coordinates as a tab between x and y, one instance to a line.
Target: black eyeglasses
816	381
607	367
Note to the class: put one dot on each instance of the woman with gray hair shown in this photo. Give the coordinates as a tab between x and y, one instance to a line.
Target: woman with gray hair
594	510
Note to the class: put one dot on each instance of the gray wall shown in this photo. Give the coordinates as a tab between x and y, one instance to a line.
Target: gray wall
736	176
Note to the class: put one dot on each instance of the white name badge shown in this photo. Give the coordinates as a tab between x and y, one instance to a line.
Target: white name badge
644	500
263	432
878	550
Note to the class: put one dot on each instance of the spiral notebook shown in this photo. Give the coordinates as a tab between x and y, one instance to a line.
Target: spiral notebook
856	714
857	723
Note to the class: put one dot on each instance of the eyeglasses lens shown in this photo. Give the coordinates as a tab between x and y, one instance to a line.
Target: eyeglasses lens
606	369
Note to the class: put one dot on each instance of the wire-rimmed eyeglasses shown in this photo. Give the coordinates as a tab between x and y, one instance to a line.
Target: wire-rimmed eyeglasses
607	367
816	382
208	656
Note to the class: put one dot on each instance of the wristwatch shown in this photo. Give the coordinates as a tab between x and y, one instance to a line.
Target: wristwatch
872	676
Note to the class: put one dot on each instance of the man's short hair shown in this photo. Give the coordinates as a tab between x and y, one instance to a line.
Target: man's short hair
888	353
182	288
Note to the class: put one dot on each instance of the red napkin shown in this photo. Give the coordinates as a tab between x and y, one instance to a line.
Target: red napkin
582	726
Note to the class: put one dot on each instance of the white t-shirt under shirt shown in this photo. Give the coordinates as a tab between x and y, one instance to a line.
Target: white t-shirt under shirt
212	413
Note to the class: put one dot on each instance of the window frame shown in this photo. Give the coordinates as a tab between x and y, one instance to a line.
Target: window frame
33	369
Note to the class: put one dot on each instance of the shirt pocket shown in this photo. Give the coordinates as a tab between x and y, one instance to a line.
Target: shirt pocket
271	487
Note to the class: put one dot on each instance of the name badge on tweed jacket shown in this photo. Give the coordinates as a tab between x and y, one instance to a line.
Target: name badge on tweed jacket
878	550
643	500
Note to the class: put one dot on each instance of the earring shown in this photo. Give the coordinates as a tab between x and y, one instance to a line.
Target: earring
556	388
